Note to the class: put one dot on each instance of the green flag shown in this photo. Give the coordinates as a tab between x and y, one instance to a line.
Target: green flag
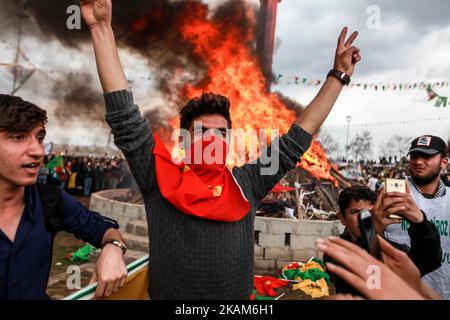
57	161
81	254
441	102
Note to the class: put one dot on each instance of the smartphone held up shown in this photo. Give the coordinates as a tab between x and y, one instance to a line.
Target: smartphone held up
396	185
369	235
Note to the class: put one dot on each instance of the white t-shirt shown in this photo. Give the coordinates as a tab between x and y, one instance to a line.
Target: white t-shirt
437	211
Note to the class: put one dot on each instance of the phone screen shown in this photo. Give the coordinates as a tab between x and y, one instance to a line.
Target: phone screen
369	235
395	185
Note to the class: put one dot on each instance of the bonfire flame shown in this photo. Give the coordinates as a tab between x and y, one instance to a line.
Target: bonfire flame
233	70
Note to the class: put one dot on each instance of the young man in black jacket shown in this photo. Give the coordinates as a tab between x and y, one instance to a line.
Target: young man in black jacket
425	250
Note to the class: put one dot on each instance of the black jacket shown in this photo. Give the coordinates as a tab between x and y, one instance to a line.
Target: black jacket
425	252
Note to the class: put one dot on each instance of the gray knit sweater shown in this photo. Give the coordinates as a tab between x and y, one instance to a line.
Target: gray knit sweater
193	258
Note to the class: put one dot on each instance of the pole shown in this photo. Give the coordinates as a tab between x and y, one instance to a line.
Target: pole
17	68
266	35
349	119
16	61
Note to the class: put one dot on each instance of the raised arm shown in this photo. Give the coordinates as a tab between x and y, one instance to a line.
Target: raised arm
286	151
347	56
98	14
132	134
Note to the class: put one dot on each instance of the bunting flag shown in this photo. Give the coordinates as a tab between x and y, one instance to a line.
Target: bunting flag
390	123
280	79
283	79
441	101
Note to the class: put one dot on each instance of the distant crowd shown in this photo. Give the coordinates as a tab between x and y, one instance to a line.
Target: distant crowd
85	174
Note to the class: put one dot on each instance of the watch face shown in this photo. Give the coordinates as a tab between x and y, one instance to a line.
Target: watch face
120	244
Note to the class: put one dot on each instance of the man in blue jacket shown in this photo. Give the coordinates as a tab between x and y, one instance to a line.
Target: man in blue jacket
26	240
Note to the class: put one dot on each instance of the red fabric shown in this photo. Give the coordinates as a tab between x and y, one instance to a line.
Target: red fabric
294	265
265	285
279	188
190	188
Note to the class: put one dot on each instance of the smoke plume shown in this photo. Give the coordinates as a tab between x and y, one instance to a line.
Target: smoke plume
149	28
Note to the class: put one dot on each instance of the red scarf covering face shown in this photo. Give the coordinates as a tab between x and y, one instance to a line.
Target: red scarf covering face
202	189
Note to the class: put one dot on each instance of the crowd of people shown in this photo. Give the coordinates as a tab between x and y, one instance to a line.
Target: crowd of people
374	173
83	175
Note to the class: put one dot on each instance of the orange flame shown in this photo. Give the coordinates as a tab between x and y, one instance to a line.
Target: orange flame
233	71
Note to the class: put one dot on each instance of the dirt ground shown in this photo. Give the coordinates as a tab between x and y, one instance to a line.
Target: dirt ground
64	244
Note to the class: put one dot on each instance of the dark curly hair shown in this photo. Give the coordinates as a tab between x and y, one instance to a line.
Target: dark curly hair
207	103
17	115
356	193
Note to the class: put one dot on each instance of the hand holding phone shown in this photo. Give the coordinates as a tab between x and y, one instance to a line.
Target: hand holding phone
403	205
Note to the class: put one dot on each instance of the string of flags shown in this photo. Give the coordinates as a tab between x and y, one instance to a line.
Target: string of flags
379	124
441	101
283	79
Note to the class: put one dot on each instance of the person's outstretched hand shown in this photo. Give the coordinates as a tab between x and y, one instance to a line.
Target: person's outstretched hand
96	12
110	272
372	278
399	262
347	55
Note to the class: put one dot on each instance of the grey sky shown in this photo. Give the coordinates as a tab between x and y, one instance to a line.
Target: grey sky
413	45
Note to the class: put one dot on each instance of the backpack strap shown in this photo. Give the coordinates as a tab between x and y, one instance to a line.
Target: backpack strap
52	206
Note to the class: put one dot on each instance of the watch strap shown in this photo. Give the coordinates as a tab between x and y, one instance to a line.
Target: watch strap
117	243
341	76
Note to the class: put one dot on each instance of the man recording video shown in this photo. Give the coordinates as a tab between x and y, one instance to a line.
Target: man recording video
425	248
428	159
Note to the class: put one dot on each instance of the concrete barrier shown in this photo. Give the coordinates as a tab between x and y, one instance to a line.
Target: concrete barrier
122	212
281	241
277	241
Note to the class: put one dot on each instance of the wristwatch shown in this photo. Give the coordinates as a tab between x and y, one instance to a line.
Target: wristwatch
341	76
117	243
